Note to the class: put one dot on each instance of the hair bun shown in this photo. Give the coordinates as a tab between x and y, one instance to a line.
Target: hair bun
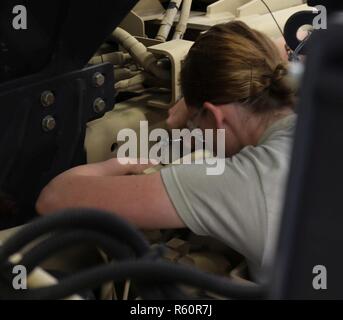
279	73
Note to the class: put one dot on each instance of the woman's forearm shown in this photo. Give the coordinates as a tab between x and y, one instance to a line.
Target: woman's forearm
110	167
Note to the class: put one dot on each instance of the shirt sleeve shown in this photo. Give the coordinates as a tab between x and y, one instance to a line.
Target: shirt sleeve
230	207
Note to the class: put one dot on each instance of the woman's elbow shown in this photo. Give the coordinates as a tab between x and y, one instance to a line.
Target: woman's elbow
49	200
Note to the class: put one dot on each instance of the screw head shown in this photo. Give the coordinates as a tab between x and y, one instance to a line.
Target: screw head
98	79
47	98
48	123
99	105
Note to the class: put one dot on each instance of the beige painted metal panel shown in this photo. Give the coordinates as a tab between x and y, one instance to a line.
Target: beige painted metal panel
176	51
101	134
257	7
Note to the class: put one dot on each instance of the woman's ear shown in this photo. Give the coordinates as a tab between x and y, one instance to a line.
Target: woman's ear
216	113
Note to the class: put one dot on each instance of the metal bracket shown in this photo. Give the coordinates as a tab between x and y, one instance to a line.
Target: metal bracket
43	125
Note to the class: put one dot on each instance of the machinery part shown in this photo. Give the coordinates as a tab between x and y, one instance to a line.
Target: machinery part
295	74
56	243
101	135
134	83
51	54
182	24
175	51
140	53
39	277
293	24
311	228
34	156
116	58
140	271
48	123
331	6
99	105
168	20
112	233
47	98
302	18
98	79
124	73
59	43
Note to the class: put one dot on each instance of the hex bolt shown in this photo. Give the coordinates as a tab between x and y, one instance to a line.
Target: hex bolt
48	123
99	105
98	79
47	98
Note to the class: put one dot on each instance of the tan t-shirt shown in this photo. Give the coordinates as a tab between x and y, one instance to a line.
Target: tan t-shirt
243	206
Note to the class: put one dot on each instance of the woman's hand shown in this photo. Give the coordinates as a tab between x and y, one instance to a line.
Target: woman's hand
178	116
136	169
112	167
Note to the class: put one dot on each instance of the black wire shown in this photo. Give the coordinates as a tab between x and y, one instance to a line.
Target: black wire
76	218
301	45
105	223
147	272
84	218
154	279
271	13
58	242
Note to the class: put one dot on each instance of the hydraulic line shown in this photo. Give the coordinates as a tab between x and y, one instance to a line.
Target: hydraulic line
140	53
59	241
153	277
124	73
141	271
134	83
183	21
168	20
78	218
116	58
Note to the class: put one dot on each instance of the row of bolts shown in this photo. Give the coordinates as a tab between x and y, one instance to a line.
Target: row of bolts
48	99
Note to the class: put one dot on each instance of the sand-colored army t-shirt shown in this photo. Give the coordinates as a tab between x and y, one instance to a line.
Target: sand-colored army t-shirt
243	206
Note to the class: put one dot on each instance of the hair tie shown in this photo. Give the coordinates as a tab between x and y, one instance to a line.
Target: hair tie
279	73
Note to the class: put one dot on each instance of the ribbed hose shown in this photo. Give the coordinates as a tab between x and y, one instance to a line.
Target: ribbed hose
133	83
116	58
168	20
183	21
124	73
140	53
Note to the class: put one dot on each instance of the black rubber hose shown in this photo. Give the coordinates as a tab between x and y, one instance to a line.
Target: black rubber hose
59	241
76	218
103	222
111	246
160	276
145	272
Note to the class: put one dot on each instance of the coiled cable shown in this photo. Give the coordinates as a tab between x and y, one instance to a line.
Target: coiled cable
153	277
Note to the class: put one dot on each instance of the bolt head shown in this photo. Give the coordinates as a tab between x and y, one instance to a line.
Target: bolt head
98	79
99	105
48	123
47	98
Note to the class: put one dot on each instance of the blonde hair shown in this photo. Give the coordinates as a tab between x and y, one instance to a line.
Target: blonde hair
233	63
